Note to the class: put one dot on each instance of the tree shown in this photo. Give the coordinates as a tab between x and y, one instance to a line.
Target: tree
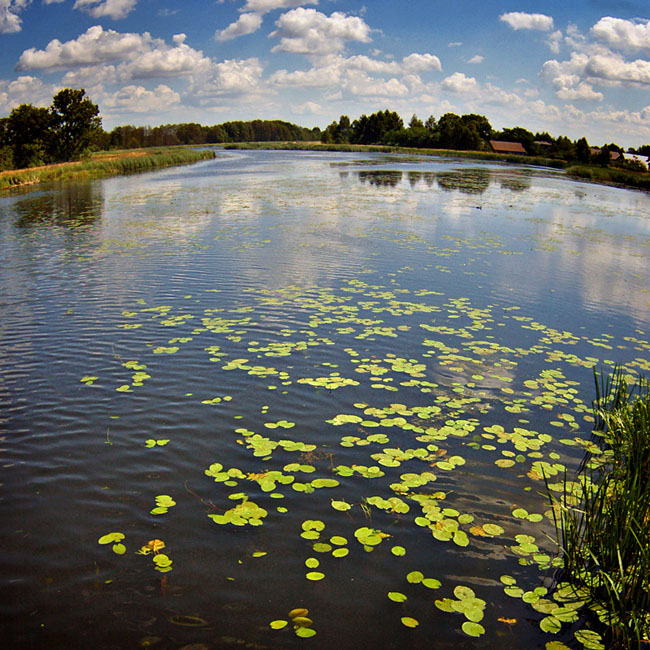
416	122
603	158
583	152
28	133
75	122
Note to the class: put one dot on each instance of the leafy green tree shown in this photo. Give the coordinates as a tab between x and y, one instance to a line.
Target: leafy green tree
373	129
28	133
416	122
603	158
583	152
75	122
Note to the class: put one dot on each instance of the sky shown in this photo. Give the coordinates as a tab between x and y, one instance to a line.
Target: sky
569	67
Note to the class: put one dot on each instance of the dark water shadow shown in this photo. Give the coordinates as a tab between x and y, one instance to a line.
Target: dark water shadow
71	206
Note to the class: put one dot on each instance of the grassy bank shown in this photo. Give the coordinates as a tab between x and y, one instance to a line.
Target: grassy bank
611	176
366	148
603	517
105	163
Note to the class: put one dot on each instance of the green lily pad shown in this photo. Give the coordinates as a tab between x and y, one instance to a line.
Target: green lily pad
397	597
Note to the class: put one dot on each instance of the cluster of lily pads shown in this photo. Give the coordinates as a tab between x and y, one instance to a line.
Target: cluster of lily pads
464	397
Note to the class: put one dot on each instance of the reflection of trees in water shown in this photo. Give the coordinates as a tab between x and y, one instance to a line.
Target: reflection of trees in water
470	181
515	183
381	178
73	205
417	177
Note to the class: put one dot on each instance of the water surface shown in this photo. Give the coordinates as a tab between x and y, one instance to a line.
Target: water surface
450	313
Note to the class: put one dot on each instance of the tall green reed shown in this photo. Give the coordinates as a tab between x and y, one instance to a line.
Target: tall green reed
602	518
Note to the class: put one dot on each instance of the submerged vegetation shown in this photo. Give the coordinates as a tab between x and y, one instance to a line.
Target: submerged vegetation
603	517
103	164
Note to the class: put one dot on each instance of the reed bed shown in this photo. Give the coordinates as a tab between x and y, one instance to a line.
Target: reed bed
603	517
104	164
611	176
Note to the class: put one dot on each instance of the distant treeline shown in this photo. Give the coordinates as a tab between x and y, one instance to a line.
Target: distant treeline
469	132
71	127
131	137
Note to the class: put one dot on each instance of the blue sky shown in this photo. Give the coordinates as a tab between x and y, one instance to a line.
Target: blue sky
571	67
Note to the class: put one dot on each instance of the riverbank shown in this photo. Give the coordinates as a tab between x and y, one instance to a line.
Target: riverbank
372	148
594	173
104	163
602	516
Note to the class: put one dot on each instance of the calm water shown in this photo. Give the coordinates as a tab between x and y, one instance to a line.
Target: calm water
453	311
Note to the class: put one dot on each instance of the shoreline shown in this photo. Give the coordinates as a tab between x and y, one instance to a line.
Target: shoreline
611	176
103	164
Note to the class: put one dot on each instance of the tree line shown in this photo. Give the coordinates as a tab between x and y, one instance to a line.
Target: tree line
131	137
71	127
468	132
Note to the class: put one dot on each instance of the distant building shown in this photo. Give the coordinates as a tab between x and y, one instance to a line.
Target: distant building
499	146
635	156
543	144
613	155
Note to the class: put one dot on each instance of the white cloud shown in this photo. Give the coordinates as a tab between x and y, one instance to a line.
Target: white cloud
10	21
115	9
93	46
554	41
583	91
307	31
477	59
160	60
421	62
137	99
235	77
614	68
336	70
141	56
521	20
455	44
90	75
360	84
308	108
264	6
460	83
25	90
245	24
623	34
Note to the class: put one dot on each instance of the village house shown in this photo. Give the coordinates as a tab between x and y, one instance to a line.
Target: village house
500	146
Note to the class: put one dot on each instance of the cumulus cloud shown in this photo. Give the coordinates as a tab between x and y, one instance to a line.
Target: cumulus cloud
460	83
554	41
421	62
141	55
137	99
614	68
521	20
115	9
307	31
234	77
477	59
245	24
337	70
623	34
264	6
93	46
10	21
583	91
24	90
308	108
